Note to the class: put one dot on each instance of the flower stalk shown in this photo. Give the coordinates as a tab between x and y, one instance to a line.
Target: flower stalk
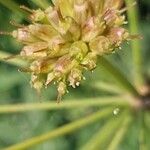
135	44
66	129
103	101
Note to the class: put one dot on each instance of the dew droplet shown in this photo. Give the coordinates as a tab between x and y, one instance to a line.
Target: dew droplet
116	111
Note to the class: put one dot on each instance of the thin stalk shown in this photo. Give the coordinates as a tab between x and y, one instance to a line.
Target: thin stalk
135	44
104	134
14	7
103	101
142	140
14	61
66	129
109	87
43	4
119	134
119	76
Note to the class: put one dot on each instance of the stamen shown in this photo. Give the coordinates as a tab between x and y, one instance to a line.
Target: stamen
16	24
5	33
26	9
136	36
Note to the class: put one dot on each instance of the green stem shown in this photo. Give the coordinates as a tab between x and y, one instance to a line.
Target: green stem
100	139
14	7
119	134
107	86
66	129
43	4
135	44
103	101
142	140
14	61
119	76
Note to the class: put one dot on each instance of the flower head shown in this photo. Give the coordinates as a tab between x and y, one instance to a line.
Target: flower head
66	39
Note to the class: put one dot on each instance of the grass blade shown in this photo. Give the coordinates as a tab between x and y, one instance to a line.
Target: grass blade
66	129
118	76
103	101
43	4
100	139
14	61
109	87
120	134
142	137
135	44
14	7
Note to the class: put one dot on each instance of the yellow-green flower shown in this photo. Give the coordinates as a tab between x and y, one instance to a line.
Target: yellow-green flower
66	39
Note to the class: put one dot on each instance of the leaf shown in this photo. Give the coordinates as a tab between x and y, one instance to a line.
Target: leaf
66	129
103	101
43	4
100	139
119	134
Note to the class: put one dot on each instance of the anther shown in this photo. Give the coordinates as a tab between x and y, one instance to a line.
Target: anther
5	33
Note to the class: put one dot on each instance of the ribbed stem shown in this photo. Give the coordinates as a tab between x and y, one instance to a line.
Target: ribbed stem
14	61
135	44
66	129
119	77
103	101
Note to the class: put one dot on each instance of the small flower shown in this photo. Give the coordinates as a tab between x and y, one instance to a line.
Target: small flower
66	39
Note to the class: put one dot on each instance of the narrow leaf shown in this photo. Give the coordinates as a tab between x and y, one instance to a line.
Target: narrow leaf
119	134
99	140
67	104
66	129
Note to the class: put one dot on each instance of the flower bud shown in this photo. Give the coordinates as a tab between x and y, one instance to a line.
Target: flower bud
75	77
80	11
78	50
101	45
50	78
37	82
24	36
37	15
117	35
44	65
62	88
93	27
33	48
89	62
66	7
63	66
112	17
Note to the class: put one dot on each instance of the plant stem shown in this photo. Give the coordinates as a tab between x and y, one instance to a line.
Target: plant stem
119	134
135	44
13	6
14	61
66	129
103	101
142	140
107	86
43	4
119	76
104	134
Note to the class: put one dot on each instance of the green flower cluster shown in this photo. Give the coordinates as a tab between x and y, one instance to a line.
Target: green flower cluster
66	39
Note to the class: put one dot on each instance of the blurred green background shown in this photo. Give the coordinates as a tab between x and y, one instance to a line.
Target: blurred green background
15	88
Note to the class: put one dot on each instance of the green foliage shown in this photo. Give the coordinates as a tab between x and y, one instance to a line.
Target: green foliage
102	113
